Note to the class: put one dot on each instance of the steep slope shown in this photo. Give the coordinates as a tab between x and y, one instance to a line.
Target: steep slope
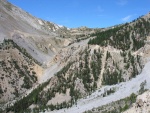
141	105
17	24
45	66
19	71
28	46
121	91
83	69
41	39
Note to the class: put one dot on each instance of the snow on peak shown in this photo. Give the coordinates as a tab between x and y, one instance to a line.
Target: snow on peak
60	26
40	22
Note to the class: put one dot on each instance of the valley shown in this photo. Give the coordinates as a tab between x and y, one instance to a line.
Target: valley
45	67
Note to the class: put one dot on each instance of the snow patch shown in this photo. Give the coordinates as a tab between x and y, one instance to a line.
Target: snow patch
40	22
61	26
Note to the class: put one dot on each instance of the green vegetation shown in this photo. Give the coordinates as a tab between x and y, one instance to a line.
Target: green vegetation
117	106
14	70
1	91
7	43
119	37
25	102
112	78
142	87
128	102
88	73
113	74
85	70
65	79
108	92
27	83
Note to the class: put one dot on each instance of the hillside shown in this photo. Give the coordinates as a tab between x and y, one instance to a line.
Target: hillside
19	71
52	68
41	39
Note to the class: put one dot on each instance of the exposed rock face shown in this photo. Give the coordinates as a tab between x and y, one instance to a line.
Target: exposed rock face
142	104
80	86
18	71
64	61
42	39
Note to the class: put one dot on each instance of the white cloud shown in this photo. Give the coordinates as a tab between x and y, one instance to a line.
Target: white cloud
122	2
127	18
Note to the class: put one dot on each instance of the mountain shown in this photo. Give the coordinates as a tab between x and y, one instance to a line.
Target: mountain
46	67
37	36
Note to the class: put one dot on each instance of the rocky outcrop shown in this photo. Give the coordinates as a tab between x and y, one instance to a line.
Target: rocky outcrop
142	104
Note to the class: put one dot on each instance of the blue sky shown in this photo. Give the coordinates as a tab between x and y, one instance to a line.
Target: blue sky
90	13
